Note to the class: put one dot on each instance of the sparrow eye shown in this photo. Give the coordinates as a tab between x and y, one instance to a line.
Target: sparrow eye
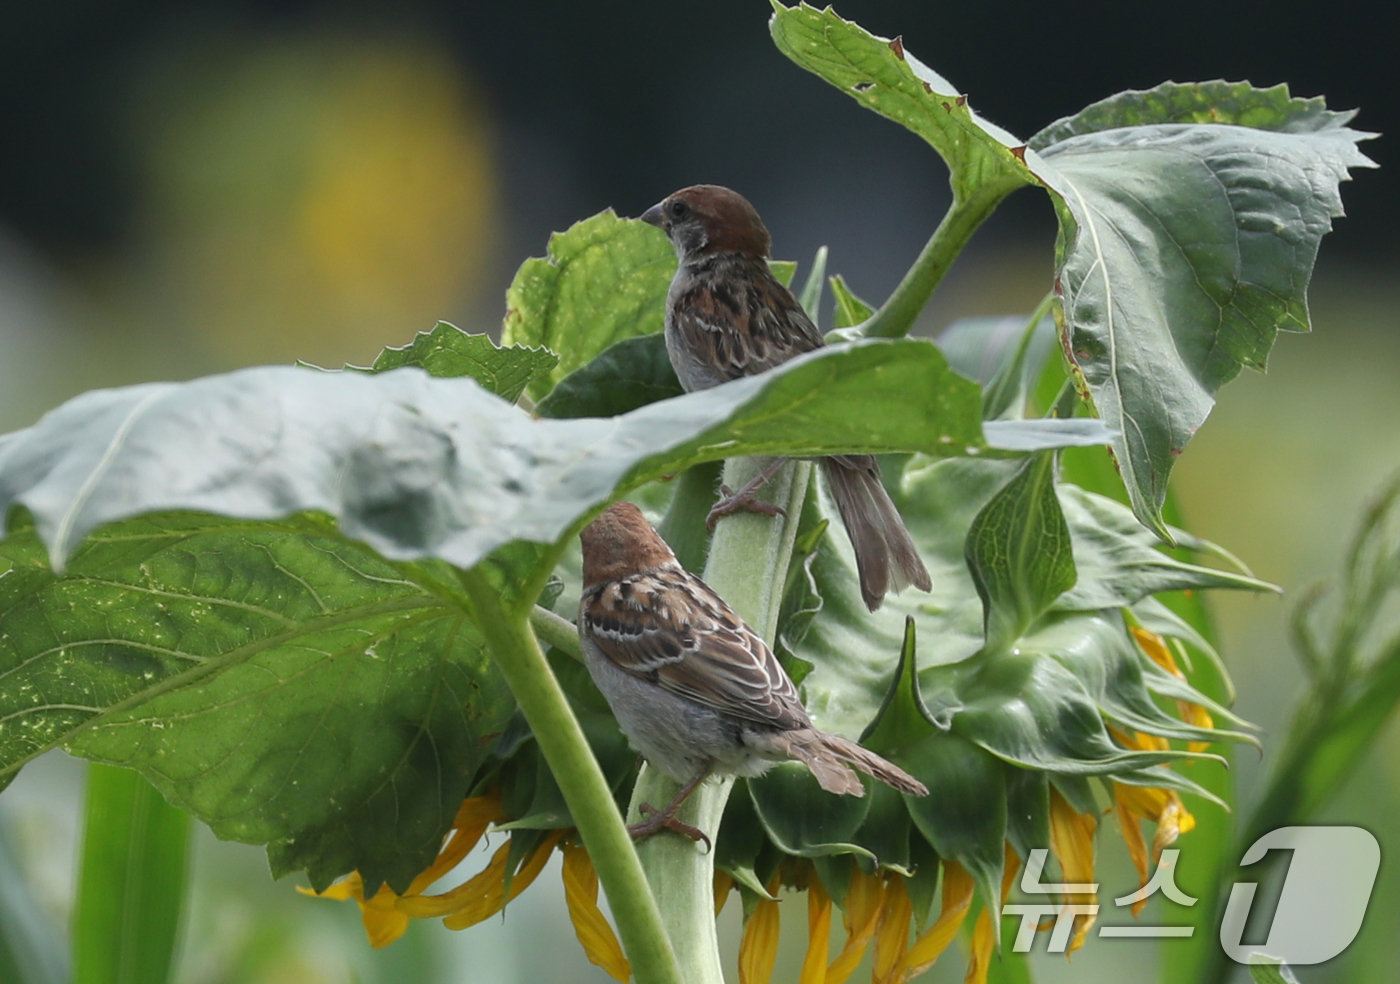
678	209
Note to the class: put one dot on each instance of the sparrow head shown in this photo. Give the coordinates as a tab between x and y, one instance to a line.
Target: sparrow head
621	542
707	219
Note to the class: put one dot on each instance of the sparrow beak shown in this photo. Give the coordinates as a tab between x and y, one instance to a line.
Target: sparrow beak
654	216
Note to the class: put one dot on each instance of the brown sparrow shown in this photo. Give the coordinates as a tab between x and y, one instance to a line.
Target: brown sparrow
694	688
726	317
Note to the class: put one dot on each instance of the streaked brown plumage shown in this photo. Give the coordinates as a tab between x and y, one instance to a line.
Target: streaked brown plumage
693	687
728	317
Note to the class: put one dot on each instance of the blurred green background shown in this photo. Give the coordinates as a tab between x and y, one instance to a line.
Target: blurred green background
190	187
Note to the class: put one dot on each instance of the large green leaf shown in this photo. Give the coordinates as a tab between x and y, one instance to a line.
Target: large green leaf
286	688
422	467
983	159
1183	249
1190	218
605	279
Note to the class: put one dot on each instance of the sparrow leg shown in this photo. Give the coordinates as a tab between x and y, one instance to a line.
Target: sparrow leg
744	498
666	819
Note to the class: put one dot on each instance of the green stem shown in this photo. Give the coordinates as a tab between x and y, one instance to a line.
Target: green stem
896	316
127	916
747	566
557	631
521	661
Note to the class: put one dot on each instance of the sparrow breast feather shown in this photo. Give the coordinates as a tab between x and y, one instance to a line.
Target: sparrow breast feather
692	686
728	317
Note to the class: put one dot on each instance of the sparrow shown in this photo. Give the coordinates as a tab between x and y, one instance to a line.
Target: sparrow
695	689
727	316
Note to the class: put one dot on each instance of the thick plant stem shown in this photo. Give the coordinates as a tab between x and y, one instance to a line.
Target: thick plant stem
517	653
896	316
557	631
747	566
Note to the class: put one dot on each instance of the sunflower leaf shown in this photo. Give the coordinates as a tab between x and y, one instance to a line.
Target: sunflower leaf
287	688
604	279
1184	248
449	352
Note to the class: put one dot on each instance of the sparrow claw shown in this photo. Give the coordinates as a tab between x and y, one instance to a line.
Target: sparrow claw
657	821
744	499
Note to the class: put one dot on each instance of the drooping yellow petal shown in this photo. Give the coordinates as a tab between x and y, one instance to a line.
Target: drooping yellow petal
1160	653
385	916
495	898
383	923
758	950
863	899
475	890
818	933
1130	824
1072	840
1133	804
979	961
581	894
473	817
724	883
957	898
1173	821
979	958
350	887
892	935
1195	714
1156	649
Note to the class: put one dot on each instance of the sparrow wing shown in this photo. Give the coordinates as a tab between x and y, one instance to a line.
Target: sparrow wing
740	321
668	627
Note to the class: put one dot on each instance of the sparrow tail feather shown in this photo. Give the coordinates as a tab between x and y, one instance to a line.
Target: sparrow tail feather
871	764
829	757
886	558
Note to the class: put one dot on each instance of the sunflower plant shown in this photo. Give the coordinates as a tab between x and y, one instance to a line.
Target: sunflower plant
329	611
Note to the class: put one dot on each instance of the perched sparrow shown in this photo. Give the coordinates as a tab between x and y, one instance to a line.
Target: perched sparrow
726	317
694	688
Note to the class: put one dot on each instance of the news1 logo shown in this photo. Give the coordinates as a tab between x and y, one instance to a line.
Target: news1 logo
1319	912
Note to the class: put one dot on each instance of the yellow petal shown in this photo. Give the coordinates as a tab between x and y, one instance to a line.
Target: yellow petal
1197	715
1010	865
818	933
1156	649
724	882
1130	824
495	899
957	898
474	891
351	887
473	817
1072	840
979	962
383	923
581	894
758	950
892	935
1173	820
863	899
